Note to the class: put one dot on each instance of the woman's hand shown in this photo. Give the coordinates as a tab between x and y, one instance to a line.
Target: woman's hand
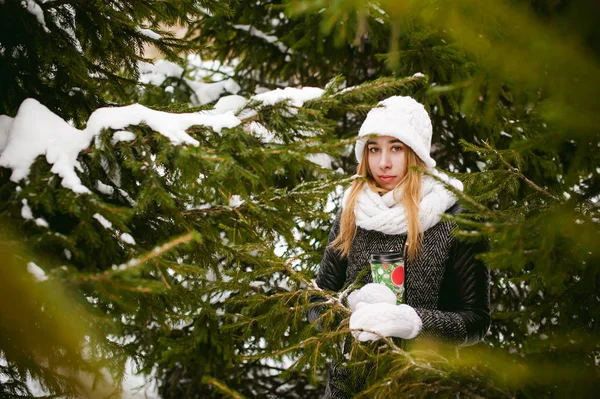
385	319
370	294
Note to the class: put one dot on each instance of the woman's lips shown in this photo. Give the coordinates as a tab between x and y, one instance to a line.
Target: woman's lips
387	178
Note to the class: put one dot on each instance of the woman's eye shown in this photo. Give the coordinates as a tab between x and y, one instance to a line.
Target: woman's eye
397	148
374	150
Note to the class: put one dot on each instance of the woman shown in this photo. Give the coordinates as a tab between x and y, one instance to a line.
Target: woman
393	207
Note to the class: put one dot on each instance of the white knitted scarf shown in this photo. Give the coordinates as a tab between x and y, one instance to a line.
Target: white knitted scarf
385	214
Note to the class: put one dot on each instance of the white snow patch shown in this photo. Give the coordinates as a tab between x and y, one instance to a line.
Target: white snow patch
37	131
235	201
68	254
418	75
260	90
204	93
67	24
103	221
323	160
122	135
42	222
5	123
104	189
127	238
157	73
503	133
26	211
35	9
232	103
268	38
172	126
297	96
260	131
213	69
149	33
36	271
208	92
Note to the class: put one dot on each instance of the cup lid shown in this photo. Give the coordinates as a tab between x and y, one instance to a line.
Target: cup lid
386	257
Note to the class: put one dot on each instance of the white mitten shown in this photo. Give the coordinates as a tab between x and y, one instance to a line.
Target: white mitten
369	294
386	319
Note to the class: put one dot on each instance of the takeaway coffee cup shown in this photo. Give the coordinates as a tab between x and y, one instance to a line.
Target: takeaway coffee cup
388	268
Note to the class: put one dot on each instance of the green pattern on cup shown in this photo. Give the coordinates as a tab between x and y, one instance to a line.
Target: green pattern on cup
388	268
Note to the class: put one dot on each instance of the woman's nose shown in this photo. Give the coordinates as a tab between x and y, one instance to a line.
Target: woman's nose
385	161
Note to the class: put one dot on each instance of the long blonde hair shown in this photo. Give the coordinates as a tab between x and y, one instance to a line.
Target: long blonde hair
411	197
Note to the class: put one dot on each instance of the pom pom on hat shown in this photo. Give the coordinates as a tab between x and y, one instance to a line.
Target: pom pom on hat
403	118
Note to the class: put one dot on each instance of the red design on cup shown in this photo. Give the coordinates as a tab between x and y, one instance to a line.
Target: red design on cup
398	275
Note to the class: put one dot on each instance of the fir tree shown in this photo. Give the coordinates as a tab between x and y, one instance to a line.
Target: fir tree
194	254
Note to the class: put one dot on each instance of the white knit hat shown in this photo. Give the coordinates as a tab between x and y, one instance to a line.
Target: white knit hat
402	118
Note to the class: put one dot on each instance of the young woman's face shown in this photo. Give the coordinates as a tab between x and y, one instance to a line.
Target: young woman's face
386	160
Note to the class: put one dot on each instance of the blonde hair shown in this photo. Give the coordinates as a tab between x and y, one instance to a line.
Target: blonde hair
411	197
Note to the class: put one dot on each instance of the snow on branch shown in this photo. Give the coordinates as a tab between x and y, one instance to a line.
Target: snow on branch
149	33
204	93
35	9
36	131
262	35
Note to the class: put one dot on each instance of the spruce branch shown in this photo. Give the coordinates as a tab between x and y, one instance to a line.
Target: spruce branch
222	387
517	172
137	262
484	210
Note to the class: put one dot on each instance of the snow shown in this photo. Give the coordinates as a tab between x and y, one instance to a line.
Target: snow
260	34
122	135
105	223
297	96
26	211
37	131
260	90
127	238
27	214
208	92
104	189
157	73
263	133
323	160
503	133
204	93
5	123
35	9
67	254
172	126
41	222
235	201
418	75
67	24
149	33
214	69
36	271
232	103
